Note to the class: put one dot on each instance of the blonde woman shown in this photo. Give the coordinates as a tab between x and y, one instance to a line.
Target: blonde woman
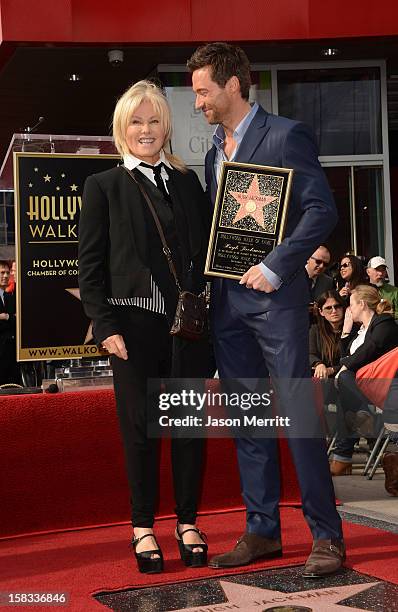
377	335
129	293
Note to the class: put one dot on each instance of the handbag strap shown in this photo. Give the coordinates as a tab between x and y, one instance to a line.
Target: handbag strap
166	249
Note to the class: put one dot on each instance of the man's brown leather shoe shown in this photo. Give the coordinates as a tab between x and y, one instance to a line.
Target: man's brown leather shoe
248	548
390	467
327	556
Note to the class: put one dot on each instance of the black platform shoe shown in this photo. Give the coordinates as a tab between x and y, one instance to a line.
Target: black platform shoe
146	563
190	558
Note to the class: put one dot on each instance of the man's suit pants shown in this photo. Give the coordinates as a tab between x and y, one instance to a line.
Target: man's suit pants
148	344
274	343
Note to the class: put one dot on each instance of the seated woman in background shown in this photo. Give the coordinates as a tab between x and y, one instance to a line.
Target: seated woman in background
351	275
377	335
325	335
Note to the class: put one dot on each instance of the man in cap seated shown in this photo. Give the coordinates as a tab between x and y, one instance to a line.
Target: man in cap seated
377	272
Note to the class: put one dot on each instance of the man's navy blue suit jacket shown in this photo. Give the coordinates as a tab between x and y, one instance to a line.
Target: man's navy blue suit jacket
276	141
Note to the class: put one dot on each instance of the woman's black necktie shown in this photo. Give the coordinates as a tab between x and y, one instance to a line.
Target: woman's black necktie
157	170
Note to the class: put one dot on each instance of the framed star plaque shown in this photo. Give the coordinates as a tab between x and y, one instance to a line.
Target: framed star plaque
249	217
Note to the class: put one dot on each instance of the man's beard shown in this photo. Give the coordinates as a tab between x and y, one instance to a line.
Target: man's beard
212	119
379	283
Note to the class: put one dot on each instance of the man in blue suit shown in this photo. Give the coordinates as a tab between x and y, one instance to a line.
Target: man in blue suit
261	322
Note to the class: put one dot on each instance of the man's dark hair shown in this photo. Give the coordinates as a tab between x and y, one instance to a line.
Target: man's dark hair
4	263
225	62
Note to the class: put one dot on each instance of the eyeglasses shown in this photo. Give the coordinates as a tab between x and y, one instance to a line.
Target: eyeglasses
319	262
345	265
332	307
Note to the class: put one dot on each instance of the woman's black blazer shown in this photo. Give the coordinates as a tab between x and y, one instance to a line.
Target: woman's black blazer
381	337
113	249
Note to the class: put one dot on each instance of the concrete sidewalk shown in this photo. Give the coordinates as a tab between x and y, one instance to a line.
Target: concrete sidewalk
366	498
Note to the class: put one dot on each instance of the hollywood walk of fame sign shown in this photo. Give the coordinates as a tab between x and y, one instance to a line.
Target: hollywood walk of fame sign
51	323
254	599
249	217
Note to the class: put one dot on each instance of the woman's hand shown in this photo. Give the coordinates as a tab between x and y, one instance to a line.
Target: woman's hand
344	291
115	346
321	371
348	322
342	369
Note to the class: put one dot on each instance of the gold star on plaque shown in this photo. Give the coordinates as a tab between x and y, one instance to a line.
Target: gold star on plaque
58	188
30	184
252	203
254	599
36	169
63	175
73	187
76	293
47	178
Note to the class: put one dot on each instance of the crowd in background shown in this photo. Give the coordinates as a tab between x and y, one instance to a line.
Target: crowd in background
355	322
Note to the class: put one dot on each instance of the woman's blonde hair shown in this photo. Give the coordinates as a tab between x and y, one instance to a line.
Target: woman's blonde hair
372	299
128	104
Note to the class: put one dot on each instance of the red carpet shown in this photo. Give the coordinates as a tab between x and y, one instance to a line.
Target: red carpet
65	467
91	561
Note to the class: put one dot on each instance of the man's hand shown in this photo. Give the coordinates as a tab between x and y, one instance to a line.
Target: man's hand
115	346
255	279
4	316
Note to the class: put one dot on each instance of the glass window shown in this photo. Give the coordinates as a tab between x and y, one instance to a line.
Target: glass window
340	240
341	105
7	229
361	220
369	217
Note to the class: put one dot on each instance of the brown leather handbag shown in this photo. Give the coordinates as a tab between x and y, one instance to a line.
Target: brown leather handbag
190	319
